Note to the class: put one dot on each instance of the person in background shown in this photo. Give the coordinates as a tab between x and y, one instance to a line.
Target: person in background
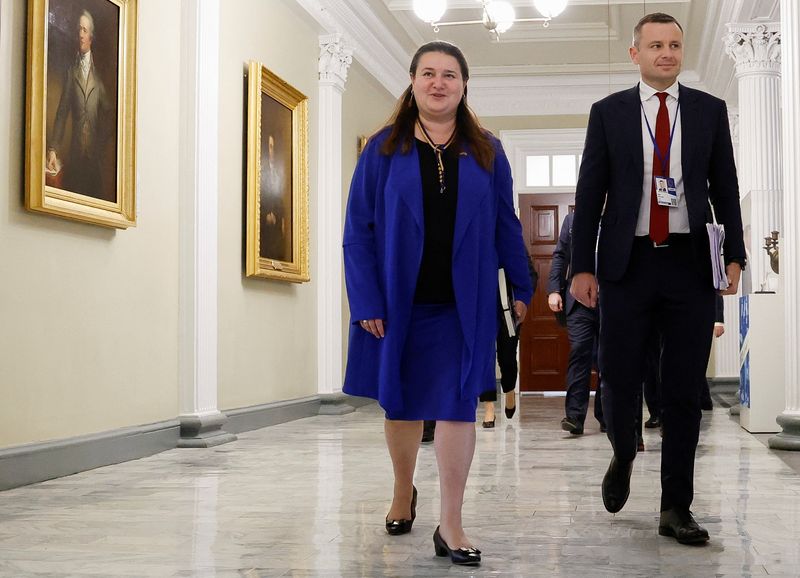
583	325
507	361
429	221
719	329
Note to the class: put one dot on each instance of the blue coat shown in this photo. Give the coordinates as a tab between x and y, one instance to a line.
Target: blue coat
383	242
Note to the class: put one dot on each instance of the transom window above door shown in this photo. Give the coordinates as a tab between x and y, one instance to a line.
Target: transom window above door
544	160
552	170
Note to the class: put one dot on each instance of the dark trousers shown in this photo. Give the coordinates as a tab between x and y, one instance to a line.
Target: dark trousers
507	360
582	327
663	290
652	376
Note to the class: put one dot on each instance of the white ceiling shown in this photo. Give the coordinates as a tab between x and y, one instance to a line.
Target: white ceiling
532	70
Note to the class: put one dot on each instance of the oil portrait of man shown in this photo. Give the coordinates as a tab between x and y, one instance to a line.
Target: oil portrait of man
275	214
83	51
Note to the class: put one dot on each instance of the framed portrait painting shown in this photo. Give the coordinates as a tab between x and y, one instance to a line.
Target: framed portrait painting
81	110
277	178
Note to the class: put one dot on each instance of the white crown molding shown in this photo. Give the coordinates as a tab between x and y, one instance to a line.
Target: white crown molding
559	32
497	90
373	44
551	69
396	5
536	95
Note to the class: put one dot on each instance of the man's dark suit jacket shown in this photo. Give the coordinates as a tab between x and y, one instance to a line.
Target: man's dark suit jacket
609	189
560	270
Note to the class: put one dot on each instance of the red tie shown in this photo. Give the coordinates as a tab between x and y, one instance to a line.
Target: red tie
659	215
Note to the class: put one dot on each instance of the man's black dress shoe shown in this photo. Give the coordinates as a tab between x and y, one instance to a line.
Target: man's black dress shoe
460	556
398	527
680	524
706	404
653	422
572	426
617	484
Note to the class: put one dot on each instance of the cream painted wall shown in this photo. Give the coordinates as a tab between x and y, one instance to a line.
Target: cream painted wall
88	315
366	105
267	348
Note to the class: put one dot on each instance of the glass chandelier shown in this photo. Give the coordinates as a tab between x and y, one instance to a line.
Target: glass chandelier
498	15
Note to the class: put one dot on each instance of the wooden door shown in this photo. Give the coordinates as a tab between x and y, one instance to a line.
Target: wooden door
544	347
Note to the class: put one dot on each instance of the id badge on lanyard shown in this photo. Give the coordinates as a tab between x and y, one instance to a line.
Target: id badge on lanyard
666	191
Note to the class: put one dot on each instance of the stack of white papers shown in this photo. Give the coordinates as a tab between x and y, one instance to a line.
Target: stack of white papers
507	304
716	238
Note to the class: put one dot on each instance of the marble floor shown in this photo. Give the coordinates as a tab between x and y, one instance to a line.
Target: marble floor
308	498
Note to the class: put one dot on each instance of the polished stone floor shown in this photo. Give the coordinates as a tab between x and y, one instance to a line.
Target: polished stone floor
308	498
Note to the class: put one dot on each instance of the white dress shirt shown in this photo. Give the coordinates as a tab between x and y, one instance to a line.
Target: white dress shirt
678	216
86	65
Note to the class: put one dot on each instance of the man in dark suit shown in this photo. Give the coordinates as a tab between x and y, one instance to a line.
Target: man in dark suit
583	325
655	155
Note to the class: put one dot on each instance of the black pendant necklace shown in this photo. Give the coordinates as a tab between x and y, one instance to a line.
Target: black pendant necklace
439	150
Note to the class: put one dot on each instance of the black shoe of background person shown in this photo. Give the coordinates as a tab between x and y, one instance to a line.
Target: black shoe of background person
428	430
705	403
653	422
679	524
640	445
488	424
617	484
510	411
572	426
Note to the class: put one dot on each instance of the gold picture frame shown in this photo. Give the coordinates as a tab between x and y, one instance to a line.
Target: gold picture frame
80	143
277	178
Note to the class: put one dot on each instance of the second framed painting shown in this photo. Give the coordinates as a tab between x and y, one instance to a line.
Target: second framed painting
277	178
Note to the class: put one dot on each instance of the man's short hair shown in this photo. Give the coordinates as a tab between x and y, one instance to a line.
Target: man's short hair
89	17
656	18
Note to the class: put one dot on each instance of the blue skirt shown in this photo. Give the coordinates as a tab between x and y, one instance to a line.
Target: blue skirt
430	370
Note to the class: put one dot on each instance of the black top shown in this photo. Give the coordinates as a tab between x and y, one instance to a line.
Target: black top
435	279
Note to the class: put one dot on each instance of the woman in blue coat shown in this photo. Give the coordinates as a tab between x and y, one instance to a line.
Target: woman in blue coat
429	221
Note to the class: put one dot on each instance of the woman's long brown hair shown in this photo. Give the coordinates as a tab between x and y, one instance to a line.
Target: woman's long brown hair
470	133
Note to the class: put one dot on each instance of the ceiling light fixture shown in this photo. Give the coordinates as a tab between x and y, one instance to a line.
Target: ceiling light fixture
498	15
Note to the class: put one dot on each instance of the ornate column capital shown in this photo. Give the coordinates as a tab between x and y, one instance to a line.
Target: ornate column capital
755	48
335	58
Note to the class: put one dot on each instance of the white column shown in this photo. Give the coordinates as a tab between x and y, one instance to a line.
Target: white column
726	348
789	420
201	421
756	50
335	58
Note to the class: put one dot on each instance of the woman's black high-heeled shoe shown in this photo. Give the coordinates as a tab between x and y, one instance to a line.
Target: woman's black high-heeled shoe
510	412
460	556
398	527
